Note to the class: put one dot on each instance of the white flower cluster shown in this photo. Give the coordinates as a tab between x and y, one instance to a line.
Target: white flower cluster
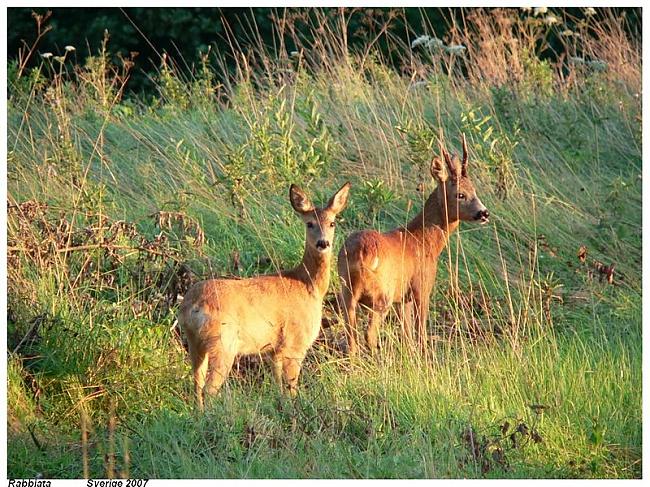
420	40
551	19
49	55
433	44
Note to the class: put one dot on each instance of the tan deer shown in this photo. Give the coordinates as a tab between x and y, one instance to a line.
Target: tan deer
379	269
277	314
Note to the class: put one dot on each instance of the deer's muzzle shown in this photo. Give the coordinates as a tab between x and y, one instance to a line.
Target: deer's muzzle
483	216
322	244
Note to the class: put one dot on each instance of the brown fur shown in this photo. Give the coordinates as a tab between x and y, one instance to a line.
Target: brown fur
278	314
380	269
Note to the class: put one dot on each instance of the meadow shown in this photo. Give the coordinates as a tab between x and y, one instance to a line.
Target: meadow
116	204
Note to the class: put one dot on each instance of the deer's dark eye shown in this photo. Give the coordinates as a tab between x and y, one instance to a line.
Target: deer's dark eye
333	224
461	196
310	224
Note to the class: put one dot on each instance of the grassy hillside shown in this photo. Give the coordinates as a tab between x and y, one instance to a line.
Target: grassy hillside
115	206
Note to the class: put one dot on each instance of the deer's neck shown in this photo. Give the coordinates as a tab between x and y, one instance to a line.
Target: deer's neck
433	226
314	270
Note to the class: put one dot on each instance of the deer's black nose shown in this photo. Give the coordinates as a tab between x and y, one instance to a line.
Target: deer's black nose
322	244
483	215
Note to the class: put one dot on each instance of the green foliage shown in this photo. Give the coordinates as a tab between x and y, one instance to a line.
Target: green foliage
173	92
538	77
496	149
375	195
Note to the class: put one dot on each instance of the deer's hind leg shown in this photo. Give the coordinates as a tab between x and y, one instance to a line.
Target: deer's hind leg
405	317
221	356
378	312
350	302
200	366
199	359
421	313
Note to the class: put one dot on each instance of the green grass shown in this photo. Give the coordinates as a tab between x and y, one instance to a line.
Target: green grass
558	169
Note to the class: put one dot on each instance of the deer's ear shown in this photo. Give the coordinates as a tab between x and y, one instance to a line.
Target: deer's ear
299	200
438	170
340	199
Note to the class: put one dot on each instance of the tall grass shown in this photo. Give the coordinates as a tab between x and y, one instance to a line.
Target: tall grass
116	205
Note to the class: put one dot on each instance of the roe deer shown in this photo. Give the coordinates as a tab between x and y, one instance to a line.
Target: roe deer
379	269
279	314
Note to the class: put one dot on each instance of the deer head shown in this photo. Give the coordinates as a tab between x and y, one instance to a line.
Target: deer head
459	194
319	222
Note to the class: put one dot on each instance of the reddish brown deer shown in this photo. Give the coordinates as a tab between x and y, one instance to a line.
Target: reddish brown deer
277	314
379	269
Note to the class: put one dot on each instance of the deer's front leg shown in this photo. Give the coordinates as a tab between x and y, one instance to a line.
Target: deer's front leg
291	371
277	371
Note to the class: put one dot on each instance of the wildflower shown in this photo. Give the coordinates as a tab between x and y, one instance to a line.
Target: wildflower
456	49
420	40
60	59
47	55
551	19
598	65
70	48
526	9
567	33
540	11
435	43
293	54
589	11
